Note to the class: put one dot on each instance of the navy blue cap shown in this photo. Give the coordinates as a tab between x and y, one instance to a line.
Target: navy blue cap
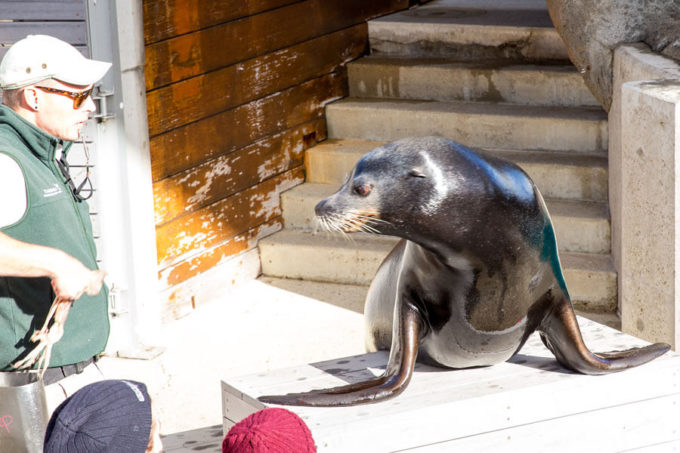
111	416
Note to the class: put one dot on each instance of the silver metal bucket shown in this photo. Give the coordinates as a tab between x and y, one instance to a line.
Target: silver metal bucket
23	413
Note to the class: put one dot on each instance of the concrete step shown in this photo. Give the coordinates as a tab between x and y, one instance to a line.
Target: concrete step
324	257
488	81
349	297
474	124
352	297
580	226
562	175
469	31
354	259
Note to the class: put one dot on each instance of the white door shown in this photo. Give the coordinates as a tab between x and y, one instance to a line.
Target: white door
123	203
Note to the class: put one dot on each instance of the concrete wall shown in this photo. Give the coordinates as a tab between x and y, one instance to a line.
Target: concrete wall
644	147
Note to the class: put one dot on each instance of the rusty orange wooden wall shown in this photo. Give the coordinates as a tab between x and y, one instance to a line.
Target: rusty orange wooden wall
235	94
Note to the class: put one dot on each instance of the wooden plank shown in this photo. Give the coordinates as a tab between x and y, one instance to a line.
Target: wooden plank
196	232
193	99
618	428
216	47
229	259
74	33
205	287
233	172
533	356
204	440
527	396
184	270
164	19
660	447
40	10
193	144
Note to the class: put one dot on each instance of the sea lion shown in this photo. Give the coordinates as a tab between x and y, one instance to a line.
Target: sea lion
476	271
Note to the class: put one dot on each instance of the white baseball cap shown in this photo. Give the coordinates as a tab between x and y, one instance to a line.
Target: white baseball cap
40	57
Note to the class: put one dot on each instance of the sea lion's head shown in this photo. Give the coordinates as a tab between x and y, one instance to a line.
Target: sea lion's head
398	188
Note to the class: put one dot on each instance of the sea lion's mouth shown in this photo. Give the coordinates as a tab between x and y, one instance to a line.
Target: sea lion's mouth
352	221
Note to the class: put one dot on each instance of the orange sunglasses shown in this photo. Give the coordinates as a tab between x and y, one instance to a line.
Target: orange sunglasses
79	97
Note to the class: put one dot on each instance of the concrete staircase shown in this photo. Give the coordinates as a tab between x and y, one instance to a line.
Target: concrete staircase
490	76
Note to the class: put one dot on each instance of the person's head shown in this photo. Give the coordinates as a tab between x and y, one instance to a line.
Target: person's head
271	430
47	81
111	416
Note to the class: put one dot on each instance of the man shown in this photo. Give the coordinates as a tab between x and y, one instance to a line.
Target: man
46	245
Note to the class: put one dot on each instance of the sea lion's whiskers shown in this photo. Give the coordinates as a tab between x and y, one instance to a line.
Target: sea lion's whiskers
368	221
355	220
363	225
337	223
350	221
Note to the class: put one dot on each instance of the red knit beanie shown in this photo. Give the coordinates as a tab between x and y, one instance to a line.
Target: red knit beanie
271	430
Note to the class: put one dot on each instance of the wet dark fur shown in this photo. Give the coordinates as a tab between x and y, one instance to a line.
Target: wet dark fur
476	271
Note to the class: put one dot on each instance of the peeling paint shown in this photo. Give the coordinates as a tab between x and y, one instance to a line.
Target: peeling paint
272	167
175	244
268	204
218	168
209	207
186	242
216	255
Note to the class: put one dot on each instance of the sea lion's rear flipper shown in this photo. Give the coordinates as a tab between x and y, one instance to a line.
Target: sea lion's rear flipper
391	383
561	334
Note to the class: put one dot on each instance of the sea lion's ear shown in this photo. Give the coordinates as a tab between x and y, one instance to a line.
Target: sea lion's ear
417	173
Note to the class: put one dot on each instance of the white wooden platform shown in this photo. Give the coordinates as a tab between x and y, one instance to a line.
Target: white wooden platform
528	404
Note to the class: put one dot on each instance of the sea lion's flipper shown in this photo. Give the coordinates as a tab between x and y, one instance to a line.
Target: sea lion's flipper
561	334
391	383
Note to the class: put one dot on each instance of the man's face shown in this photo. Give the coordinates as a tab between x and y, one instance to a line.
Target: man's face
56	114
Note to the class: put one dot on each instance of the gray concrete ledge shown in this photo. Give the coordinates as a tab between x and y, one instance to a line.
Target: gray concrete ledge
644	189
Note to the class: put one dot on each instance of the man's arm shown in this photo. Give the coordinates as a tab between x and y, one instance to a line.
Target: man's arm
13	196
70	278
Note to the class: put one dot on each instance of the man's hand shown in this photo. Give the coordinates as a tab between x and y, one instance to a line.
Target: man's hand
73	279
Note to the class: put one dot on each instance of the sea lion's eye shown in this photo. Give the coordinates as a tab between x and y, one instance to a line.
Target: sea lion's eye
416	173
363	189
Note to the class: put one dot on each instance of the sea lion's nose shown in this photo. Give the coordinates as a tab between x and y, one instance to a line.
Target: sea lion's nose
320	208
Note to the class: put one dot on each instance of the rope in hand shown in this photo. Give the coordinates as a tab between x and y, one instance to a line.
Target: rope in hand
46	337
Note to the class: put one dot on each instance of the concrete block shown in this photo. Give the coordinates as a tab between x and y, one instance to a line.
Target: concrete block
580	226
635	62
349	297
591	280
468	33
494	81
650	191
473	124
324	256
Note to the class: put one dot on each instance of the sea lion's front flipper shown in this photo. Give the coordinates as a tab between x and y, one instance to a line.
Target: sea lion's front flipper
561	334
391	383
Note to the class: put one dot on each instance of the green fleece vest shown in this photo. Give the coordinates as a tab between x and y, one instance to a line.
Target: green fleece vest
54	218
